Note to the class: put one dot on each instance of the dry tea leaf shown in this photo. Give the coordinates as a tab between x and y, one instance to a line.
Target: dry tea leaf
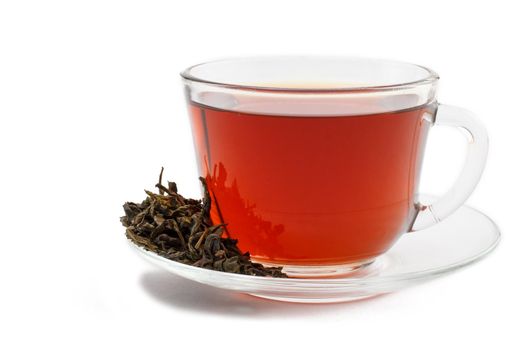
180	229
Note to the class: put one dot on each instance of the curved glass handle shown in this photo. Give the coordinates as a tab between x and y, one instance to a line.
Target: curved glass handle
430	214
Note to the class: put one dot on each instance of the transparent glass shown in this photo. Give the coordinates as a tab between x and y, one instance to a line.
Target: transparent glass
464	238
314	162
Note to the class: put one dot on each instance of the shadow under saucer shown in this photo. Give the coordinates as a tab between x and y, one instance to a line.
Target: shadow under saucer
181	293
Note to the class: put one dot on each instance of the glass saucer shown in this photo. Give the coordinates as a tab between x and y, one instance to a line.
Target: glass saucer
463	238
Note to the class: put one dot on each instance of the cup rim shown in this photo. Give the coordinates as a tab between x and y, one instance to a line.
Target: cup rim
430	78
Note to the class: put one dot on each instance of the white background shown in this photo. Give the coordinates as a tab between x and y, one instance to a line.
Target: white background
91	106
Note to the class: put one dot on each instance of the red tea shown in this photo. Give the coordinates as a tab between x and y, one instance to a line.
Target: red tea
310	190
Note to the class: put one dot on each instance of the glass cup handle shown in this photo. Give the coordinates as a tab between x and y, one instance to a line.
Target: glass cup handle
430	214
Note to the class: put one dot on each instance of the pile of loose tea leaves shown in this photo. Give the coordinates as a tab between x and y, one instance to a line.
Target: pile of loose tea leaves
180	229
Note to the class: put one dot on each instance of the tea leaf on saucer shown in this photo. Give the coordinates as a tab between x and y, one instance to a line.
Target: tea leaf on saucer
181	229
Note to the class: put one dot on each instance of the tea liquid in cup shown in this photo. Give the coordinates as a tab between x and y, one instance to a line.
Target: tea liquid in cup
313	163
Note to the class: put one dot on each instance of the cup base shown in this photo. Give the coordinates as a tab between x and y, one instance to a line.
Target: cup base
324	271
